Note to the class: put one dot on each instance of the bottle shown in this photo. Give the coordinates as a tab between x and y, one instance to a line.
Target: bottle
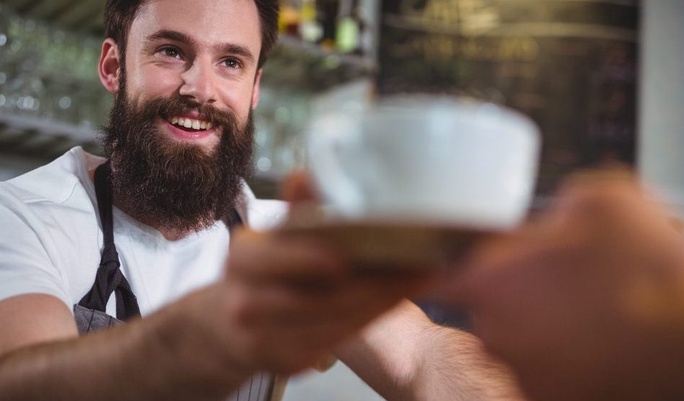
326	13
348	33
309	27
288	19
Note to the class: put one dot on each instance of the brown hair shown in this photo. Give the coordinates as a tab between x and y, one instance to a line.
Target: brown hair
119	16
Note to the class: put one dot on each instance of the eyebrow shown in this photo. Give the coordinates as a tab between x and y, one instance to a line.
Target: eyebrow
176	36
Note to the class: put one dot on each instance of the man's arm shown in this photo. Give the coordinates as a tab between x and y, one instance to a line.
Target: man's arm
20	326
42	358
406	357
283	304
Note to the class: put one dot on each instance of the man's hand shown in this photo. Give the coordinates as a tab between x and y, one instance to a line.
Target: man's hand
288	301
587	302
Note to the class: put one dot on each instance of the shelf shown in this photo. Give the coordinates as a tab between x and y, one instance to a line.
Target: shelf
43	138
294	64
75	15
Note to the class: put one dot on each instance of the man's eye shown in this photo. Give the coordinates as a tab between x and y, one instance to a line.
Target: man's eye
170	52
232	63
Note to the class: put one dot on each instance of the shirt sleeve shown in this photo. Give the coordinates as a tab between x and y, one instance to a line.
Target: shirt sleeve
25	263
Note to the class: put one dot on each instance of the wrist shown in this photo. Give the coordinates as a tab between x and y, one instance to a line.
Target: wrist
193	352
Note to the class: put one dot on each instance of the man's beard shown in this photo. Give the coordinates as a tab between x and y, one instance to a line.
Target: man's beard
171	185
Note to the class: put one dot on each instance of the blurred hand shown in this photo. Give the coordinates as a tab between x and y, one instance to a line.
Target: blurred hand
586	302
288	301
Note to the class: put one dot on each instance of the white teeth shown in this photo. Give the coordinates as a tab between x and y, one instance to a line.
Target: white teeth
190	123
210	125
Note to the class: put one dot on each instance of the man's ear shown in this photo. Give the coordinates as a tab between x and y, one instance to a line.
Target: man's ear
109	67
255	90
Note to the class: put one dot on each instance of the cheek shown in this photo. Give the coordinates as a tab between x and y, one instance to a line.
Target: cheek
239	100
150	82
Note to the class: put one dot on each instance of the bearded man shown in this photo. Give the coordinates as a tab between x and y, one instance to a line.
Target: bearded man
148	275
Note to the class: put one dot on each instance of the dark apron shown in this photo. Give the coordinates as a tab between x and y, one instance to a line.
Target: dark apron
90	312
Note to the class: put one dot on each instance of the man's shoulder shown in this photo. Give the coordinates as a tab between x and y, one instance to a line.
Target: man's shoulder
54	182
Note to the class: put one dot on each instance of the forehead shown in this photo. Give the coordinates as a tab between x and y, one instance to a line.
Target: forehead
209	22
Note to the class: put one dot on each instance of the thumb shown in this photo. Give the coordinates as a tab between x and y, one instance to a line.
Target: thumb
298	187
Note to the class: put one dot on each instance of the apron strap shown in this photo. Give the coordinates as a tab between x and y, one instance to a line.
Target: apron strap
109	278
233	220
90	312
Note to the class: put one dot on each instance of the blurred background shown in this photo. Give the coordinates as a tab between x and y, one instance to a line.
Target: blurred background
51	98
602	78
599	77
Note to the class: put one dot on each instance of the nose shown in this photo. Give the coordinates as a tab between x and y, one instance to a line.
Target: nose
198	83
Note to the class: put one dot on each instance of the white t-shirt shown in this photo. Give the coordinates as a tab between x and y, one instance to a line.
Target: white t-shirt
51	239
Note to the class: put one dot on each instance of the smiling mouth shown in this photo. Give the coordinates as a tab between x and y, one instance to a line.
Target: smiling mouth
191	124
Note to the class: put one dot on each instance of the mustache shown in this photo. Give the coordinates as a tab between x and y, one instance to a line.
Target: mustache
176	106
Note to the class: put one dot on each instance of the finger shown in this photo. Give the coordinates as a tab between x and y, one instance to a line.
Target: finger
291	347
463	284
595	190
325	334
325	363
298	187
285	305
264	256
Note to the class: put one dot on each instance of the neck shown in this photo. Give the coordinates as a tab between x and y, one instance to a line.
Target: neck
169	233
